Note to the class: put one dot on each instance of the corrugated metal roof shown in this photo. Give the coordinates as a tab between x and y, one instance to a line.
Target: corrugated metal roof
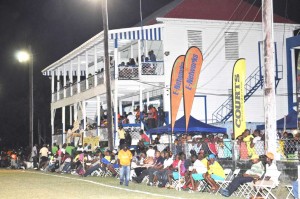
219	10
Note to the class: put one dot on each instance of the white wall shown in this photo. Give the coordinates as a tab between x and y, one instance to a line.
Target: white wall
216	73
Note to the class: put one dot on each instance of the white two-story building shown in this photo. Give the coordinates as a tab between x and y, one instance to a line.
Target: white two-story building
224	33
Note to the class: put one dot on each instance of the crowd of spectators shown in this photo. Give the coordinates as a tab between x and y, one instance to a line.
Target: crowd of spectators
149	116
195	161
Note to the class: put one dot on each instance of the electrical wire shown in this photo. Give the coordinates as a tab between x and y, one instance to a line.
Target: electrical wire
219	40
221	31
224	66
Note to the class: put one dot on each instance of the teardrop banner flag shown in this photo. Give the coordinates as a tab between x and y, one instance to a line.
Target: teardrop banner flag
176	88
192	68
238	91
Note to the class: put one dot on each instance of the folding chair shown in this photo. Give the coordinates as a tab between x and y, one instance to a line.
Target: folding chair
146	179
224	182
178	184
266	190
290	189
98	172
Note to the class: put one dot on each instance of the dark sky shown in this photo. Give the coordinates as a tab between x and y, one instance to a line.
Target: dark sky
53	28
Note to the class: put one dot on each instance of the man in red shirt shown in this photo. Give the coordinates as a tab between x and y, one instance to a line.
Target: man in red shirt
144	137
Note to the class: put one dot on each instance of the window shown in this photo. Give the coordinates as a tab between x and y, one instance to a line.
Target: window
195	38
231	46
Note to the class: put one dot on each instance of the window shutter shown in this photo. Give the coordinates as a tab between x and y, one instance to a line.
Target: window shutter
231	45
195	38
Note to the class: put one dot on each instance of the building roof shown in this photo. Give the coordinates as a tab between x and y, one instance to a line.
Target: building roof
232	10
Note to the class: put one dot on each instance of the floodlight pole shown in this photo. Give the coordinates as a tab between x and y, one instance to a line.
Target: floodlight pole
269	80
107	75
31	107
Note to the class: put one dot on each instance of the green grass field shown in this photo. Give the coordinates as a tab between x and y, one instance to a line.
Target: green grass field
36	184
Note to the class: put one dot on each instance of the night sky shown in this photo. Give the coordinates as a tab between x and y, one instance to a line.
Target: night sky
53	28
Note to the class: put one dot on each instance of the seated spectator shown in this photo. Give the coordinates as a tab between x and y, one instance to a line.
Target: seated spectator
96	164
131	118
271	174
53	163
156	140
174	174
150	152
255	173
66	166
161	176
214	172
198	169
144	137
158	164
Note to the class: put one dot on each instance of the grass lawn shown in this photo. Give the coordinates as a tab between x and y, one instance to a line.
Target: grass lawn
36	184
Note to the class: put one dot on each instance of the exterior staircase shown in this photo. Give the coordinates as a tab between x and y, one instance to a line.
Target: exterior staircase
252	84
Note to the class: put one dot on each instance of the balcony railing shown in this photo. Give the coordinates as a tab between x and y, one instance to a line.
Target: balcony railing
82	85
125	73
152	68
128	72
74	89
100	78
91	81
68	91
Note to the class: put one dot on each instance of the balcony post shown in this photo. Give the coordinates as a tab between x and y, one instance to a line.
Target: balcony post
139	58
65	80
64	124
52	85
86	70
71	79
78	74
98	114
58	84
95	66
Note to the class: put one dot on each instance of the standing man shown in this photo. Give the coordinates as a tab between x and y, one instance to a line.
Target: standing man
121	134
34	155
124	160
44	156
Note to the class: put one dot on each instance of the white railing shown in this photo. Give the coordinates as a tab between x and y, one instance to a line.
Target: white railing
153	68
125	73
128	72
68	91
100	78
91	82
74	89
82	85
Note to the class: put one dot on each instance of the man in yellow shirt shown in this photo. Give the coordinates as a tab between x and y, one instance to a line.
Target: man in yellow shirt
124	160
214	172
121	134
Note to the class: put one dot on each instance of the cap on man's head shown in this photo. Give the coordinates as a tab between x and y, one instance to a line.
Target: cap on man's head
270	155
211	156
254	157
115	151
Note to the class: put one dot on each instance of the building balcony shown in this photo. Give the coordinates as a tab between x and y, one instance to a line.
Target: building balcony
147	69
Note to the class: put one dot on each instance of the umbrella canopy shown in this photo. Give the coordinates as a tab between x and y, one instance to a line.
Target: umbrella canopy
195	126
290	122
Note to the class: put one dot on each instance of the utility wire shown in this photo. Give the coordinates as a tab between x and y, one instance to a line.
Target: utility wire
224	66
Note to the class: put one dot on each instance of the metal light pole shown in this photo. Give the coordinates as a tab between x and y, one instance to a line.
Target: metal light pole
107	76
26	57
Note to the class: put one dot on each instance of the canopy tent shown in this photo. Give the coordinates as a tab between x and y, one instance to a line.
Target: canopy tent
290	122
195	126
